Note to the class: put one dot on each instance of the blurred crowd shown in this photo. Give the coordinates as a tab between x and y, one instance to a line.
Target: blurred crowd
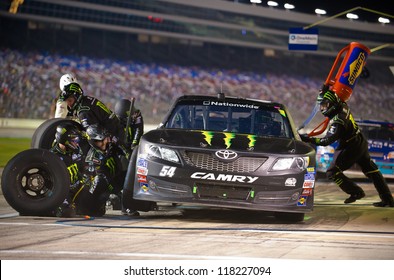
29	84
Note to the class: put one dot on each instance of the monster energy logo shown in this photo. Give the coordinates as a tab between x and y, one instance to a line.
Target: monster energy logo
73	170
330	96
252	140
75	87
208	136
110	163
228	137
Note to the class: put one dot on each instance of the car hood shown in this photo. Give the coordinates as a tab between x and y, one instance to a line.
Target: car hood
225	140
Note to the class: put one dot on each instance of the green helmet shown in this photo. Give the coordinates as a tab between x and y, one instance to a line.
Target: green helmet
68	135
72	89
330	104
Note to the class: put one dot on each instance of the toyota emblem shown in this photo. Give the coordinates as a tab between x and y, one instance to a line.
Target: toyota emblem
226	154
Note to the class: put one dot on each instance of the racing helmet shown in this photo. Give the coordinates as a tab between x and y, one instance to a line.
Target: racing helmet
95	133
330	104
68	135
67	79
122	108
72	89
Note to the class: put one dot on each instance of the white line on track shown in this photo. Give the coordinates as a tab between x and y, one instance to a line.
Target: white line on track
388	235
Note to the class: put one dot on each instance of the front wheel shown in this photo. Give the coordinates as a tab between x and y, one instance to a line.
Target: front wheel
35	182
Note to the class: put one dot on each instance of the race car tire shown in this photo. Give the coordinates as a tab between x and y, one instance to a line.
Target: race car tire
128	202
290	217
35	182
44	135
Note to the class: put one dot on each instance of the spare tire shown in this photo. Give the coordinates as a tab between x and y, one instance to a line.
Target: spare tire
35	182
44	135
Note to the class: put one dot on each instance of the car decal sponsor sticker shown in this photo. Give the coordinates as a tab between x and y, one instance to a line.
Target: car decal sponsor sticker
310	169
307	192
141	178
309	177
144	187
308	184
290	182
302	200
142	163
142	171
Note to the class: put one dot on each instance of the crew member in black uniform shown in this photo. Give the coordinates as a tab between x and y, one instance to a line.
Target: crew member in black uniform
89	110
103	173
70	146
352	149
133	117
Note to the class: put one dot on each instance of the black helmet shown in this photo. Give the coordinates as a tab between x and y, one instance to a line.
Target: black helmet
330	104
122	108
72	89
69	135
96	132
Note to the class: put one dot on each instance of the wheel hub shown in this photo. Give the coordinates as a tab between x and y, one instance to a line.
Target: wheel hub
36	182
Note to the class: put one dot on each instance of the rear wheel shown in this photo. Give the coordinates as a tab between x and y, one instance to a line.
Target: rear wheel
35	182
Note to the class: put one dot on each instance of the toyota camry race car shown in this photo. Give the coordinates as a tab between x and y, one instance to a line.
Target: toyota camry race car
225	152
209	150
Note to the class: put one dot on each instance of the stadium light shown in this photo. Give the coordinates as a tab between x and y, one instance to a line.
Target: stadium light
383	20
320	12
272	3
351	16
289	6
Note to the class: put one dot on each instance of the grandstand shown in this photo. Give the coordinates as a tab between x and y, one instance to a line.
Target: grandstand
156	50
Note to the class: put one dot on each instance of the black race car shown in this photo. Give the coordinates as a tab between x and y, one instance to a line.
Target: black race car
225	152
214	151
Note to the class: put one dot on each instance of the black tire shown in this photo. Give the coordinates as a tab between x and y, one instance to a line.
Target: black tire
290	217
35	182
44	135
128	202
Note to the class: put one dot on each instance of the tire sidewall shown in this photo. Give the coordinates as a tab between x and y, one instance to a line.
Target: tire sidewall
44	135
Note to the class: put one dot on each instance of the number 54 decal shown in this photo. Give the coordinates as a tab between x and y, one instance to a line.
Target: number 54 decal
167	171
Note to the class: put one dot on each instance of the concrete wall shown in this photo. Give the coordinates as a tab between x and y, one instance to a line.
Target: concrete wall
25	127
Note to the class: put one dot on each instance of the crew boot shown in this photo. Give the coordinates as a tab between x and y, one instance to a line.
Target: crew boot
387	201
355	196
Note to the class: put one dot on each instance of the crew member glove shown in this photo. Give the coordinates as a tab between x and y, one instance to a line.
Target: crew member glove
306	138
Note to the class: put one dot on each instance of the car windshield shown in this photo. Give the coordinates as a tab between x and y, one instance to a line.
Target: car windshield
239	118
